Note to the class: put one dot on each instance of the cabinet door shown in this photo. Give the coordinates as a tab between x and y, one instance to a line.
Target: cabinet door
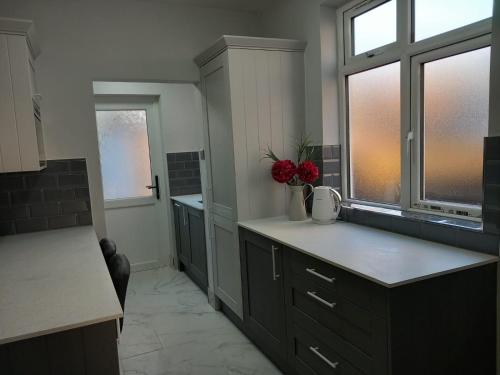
221	207
177	225
198	261
263	294
10	159
19	56
182	235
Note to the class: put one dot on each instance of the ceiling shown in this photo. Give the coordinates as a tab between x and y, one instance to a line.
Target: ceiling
245	5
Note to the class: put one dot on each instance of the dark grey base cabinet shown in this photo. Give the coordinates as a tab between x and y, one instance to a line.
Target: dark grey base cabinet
317	319
190	243
89	350
264	295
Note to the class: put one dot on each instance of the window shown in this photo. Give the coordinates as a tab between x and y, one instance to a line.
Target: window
374	134
430	19
124	153
375	28
455	102
415	90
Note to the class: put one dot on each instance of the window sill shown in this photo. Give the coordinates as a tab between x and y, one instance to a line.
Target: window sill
421	217
449	231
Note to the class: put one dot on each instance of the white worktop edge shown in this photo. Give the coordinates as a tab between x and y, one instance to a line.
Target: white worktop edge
190	200
60	329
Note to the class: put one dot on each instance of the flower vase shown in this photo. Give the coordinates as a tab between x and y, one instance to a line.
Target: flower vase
297	206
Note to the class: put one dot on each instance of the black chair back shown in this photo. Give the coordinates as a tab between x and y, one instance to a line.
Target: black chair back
108	248
119	269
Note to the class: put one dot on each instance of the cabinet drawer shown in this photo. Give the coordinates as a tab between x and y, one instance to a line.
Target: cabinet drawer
312	356
354	324
351	287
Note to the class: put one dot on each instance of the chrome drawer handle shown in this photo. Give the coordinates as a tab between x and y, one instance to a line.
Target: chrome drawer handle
273	254
321	300
315	350
312	271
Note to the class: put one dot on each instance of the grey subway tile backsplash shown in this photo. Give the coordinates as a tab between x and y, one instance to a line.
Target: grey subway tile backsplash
45	209
31	225
184	173
327	158
64	221
491	185
4	199
25	196
56	197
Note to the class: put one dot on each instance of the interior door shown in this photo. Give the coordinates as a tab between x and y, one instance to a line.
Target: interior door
133	179
221	181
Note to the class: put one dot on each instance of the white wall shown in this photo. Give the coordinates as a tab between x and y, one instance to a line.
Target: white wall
494	128
316	24
90	40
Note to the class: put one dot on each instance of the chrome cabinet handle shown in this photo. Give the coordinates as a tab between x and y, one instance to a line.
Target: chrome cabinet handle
316	351
321	300
312	271
273	253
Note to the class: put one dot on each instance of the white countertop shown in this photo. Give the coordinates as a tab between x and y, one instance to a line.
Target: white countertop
53	281
386	258
192	200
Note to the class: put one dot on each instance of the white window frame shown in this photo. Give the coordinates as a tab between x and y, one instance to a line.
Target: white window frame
411	55
106	104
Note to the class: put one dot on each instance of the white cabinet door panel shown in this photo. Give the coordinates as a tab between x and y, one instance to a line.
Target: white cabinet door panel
228	264
220	137
20	72
10	159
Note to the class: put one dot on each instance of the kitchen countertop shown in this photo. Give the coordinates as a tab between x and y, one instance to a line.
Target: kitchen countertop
53	281
192	200
386	258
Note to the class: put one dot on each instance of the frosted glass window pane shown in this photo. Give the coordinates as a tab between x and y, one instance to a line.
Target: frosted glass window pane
456	93
124	152
375	28
434	17
374	134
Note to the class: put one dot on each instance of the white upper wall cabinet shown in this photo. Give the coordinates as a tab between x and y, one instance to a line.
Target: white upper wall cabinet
21	136
253	97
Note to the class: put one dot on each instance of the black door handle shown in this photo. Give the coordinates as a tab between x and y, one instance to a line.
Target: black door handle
156	186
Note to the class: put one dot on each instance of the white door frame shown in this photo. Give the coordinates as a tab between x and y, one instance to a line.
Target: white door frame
164	92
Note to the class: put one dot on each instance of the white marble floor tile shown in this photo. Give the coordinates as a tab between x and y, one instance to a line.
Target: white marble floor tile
170	329
138	339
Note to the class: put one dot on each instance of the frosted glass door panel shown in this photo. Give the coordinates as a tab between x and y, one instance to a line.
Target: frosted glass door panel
374	134
375	28
456	92
221	142
124	153
433	17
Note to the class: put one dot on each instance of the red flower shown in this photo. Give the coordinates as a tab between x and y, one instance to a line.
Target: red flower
283	170
308	171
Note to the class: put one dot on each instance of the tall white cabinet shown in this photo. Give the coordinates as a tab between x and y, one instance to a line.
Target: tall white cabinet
253	97
21	136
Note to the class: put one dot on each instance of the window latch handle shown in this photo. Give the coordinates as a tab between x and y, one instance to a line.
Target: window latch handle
156	187
409	137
